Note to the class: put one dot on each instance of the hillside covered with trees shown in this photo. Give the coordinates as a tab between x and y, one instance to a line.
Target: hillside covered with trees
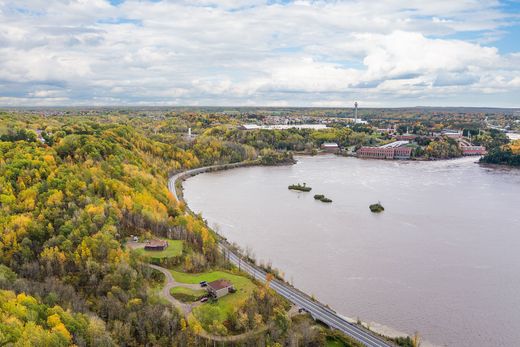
73	189
508	154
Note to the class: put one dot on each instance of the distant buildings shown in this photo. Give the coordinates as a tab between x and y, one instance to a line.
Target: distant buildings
401	150
473	150
249	127
355	121
330	147
394	150
454	134
283	126
395	144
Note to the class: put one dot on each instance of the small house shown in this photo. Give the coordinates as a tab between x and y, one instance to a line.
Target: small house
156	245
219	288
331	147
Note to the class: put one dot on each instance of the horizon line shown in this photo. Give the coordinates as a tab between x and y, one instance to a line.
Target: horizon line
2	107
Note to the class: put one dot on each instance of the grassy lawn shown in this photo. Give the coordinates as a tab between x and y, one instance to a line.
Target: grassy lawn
174	249
187	294
209	276
220	309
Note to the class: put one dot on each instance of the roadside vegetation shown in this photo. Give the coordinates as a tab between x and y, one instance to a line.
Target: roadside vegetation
335	340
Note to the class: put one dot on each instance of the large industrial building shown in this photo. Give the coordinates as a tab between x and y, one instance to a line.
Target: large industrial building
394	150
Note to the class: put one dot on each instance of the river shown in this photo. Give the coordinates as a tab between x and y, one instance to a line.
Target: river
443	258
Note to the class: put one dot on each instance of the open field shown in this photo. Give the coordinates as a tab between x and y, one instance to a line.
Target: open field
220	309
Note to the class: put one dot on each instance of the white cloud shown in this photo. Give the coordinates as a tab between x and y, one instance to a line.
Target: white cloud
251	52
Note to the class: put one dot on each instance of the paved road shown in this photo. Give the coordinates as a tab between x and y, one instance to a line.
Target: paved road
316	309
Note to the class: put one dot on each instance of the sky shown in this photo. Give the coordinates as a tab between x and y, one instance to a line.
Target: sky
260	53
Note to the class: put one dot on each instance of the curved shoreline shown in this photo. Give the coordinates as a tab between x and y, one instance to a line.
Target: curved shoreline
460	164
318	311
181	176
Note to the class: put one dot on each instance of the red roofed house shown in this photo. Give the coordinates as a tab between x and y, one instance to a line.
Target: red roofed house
219	288
156	245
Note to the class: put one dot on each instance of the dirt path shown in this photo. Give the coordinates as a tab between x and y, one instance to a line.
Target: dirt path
165	291
187	308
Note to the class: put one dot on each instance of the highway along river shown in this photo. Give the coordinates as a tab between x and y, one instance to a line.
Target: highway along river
442	259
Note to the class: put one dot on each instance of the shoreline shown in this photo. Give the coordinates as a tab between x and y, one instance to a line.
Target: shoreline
222	210
374	326
175	186
411	159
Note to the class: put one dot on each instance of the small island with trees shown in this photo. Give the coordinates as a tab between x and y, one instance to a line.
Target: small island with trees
300	187
377	208
322	198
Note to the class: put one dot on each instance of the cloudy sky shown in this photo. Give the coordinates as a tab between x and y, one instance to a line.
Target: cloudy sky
256	52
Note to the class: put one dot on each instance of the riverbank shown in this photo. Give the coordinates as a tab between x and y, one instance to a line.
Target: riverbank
361	332
175	185
382	267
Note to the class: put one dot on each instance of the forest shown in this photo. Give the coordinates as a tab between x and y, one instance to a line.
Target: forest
74	188
505	154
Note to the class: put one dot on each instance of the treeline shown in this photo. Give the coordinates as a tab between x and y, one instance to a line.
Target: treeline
294	139
443	148
500	150
505	155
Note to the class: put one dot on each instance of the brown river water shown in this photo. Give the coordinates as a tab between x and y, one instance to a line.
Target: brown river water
443	258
